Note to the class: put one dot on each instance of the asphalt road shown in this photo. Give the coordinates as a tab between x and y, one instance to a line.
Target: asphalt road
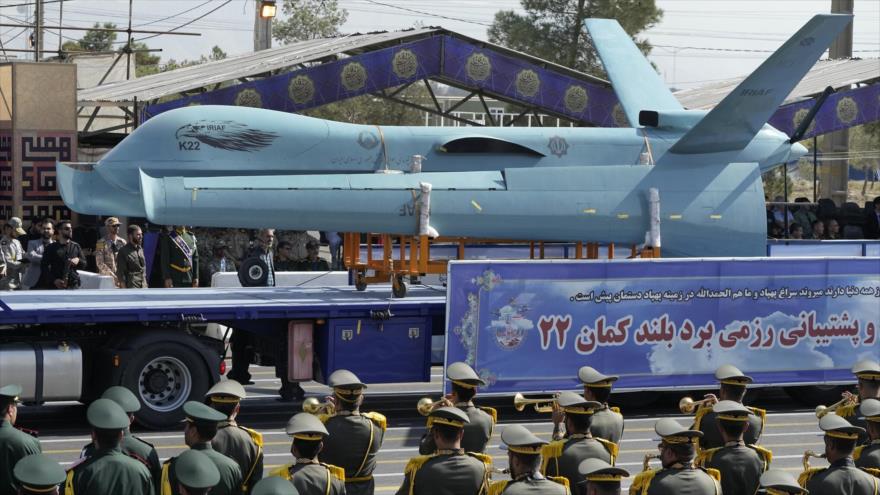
791	429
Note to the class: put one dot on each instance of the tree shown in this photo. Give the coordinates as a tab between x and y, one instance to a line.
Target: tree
369	109
98	41
553	29
308	20
145	63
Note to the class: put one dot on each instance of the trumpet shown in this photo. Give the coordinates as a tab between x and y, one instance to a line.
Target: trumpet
687	405
426	405
806	459
541	405
847	400
496	470
314	406
646	463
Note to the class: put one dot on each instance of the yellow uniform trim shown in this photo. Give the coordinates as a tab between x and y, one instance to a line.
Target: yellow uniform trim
257	437
765	454
804	477
358	479
840	434
858	452
380	420
68	483
705	456
412	467
491	411
714	473
282	472
642	482
611	447
369	447
498	487
615	409
562	480
165	483
551	452
182	269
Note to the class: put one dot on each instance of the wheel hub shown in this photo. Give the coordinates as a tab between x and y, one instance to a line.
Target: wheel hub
165	383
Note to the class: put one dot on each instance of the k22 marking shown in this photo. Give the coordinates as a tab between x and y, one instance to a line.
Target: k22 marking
188	145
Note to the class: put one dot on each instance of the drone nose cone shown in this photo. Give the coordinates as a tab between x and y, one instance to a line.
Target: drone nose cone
798	150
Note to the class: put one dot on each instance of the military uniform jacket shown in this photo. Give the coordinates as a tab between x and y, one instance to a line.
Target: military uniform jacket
532	484
109	471
562	457
850	413
244	446
447	472
134	447
130	267
868	456
14	446
230	474
705	422
676	480
476	433
105	256
842	477
176	264
740	466
354	441
607	424
313	478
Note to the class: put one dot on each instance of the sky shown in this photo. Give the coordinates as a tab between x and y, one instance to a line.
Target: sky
697	41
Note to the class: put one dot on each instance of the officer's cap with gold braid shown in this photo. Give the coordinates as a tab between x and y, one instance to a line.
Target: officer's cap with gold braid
729	410
226	392
573	403
867	370
346	385
672	433
592	378
599	471
9	394
124	397
38	473
836	427
779	482
450	416
520	440
870	410
729	374
463	375
305	426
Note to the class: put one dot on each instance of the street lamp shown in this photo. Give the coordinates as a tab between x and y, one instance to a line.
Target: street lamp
267	9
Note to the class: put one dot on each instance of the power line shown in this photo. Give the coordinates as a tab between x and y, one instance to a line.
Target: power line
227	2
439	16
175	15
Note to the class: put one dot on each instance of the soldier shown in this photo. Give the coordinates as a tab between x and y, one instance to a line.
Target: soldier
131	445
841	477
37	474
868	456
524	458
779	482
740	465
200	429
179	259
678	474
868	374
14	444
307	474
562	457
733	387
130	261
449	470
481	420
109	469
355	437
196	473
607	422
601	478
107	248
274	486
243	445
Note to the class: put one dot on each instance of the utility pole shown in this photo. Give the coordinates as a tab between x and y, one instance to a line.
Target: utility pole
38	29
262	29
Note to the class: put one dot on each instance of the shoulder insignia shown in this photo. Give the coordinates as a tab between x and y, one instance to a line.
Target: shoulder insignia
611	447
491	411
138	458
761	413
335	471
484	458
714	473
551	451
615	409
416	463
562	480
325	417
139	439
497	487
804	477
282	472
875	472
705	456
76	463
858	452
766	454
642	482
256	436
377	418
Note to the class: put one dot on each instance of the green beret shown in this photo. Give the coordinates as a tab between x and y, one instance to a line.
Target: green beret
305	426
124	397
731	375
196	470
592	378
274	486
196	412
104	414
463	375
38	473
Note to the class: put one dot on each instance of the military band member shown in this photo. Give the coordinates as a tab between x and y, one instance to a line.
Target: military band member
478	430
841	476
607	422
196	473
678	474
14	444
355	437
131	445
867	457
562	457
37	474
868	374
779	482
733	387
601	478
274	485
307	474
740	464
109	469
202	422
449	470
242	445
524	458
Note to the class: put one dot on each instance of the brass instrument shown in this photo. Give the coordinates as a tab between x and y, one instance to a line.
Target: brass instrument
847	400
687	405
541	405
314	406
496	470
806	459
426	405
646	464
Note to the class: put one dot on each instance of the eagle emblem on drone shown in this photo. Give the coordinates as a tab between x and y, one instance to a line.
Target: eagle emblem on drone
226	135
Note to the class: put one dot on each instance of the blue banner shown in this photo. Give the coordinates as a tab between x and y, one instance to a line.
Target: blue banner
661	324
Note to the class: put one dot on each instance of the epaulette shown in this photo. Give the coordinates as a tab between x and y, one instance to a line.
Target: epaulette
33	433
766	454
611	447
165	479
642	482
256	436
714	473
497	487
551	451
615	409
846	411
137	458
484	458
377	418
705	456
858	452
76	463
875	472
325	417
416	463
804	477
562	480
282	472
336	471
491	411
761	413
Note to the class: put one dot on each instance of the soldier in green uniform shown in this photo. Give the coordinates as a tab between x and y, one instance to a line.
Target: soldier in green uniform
779	482
179	258
355	437
109	469
678	475
733	387
478	430
841	477
867	456
37	474
201	426
243	445
607	422
601	478
740	464
307	474
449	470
274	485
196	473
562	457
868	374
524	458
14	444
131	445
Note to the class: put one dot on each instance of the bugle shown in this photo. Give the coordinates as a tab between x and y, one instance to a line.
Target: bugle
426	405
314	406
544	405
687	405
646	464
847	400
806	459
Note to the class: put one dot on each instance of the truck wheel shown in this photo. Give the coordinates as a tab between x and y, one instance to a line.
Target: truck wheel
164	377
814	395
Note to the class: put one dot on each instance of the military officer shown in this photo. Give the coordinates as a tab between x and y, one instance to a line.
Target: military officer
243	445
678	474
868	374
449	470
607	422
179	258
274	485
106	249
109	469
37	474
481	420
201	427
740	465
14	444
196	473
355	437
562	457
733	387
601	478
131	445
868	456
307	474
841	476
524	458
779	482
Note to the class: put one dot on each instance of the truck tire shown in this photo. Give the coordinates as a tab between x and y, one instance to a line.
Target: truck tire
815	395
163	377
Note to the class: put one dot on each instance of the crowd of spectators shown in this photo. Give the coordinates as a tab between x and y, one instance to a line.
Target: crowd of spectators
822	220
